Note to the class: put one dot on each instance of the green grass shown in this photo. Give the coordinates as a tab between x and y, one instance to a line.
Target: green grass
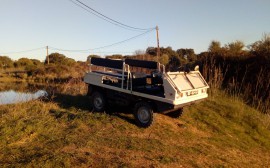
219	132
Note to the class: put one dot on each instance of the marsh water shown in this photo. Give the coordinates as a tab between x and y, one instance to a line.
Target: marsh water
16	92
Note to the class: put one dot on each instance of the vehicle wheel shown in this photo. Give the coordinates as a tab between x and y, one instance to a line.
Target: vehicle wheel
98	102
143	114
176	114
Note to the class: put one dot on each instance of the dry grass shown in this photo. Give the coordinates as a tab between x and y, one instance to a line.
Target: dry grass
220	132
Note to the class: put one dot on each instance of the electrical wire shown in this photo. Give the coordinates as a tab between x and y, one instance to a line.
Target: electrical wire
94	52
81	51
109	52
94	13
24	51
106	18
106	46
120	42
67	50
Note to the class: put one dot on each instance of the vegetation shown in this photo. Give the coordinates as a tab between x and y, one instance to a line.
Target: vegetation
241	73
59	68
5	62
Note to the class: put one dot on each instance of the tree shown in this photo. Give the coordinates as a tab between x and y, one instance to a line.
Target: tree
181	52
235	48
36	62
5	62
59	59
174	63
186	55
168	51
214	47
262	47
164	59
23	62
151	51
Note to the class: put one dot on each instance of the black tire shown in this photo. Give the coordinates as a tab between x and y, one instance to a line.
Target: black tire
176	114
98	102
143	114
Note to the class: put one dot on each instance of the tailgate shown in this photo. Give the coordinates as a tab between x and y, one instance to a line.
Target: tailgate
187	81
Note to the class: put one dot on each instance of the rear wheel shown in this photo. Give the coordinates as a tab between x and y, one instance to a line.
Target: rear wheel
98	101
143	114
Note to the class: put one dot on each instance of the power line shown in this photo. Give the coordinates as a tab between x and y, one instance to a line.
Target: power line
98	52
24	51
67	50
109	52
120	42
106	18
96	14
79	51
106	46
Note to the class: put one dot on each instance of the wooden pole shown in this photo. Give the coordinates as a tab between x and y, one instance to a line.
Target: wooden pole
48	59
158	49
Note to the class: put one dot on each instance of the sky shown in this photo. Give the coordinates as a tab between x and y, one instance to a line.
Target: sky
28	26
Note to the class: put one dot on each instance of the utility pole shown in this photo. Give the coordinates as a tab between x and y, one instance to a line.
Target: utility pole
158	49
48	59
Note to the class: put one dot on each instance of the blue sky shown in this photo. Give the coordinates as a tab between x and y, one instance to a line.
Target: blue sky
32	24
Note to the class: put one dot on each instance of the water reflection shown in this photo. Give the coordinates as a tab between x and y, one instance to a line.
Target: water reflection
12	97
12	92
69	88
23	87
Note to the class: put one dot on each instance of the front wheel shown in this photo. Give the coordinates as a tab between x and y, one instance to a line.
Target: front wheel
143	114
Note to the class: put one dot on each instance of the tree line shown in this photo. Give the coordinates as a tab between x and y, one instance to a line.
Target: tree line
56	67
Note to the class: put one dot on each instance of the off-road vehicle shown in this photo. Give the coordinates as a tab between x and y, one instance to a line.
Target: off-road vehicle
144	86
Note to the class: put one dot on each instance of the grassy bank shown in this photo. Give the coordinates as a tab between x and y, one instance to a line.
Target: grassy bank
219	132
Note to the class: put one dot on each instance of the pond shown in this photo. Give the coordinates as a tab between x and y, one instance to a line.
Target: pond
12	97
16	92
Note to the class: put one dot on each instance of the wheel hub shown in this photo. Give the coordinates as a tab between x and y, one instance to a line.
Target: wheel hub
98	102
143	115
